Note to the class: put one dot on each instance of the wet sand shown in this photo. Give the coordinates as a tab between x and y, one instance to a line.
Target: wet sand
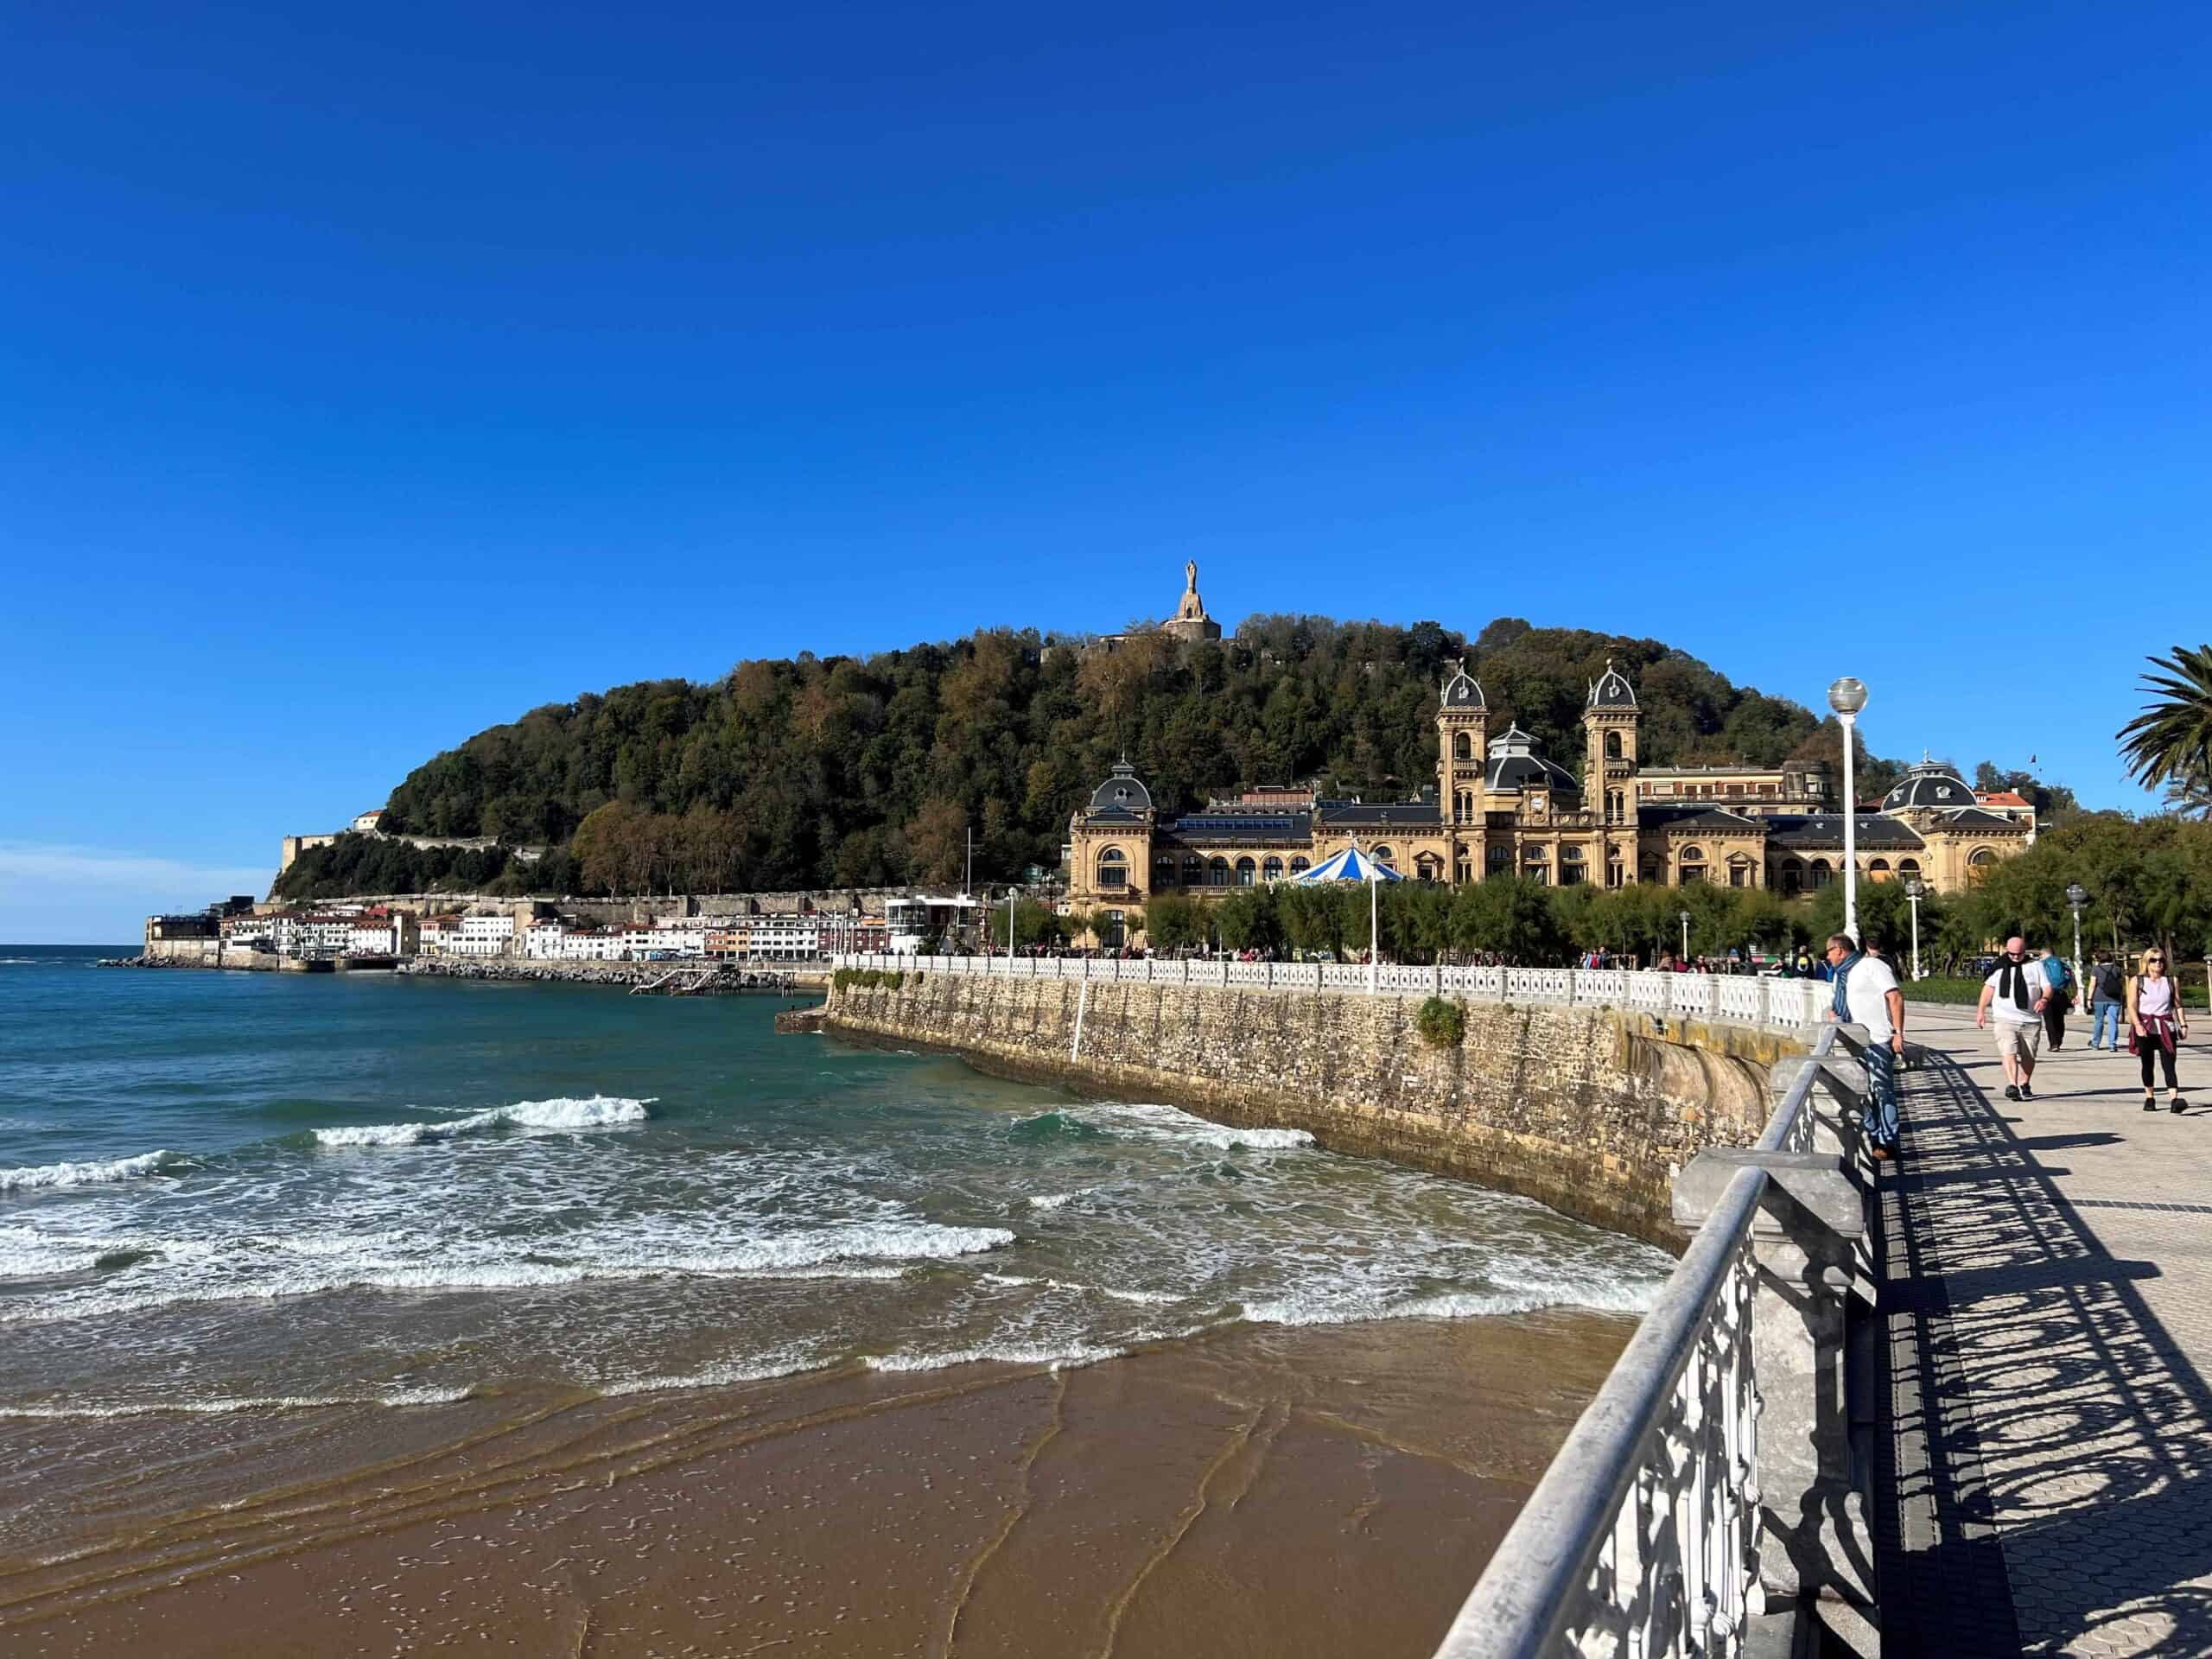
1322	1490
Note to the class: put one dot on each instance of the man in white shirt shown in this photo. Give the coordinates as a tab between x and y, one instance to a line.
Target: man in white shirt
2015	992
1867	995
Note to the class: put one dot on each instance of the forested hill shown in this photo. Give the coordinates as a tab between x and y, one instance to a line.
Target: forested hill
847	771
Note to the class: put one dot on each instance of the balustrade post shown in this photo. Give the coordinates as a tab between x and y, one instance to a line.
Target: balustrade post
1816	1544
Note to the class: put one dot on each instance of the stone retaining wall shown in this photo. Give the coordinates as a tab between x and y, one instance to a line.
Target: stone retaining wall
1591	1110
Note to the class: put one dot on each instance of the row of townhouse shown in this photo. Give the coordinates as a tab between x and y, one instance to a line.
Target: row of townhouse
371	931
469	936
741	938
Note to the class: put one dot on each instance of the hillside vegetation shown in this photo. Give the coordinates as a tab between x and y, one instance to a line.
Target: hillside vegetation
850	771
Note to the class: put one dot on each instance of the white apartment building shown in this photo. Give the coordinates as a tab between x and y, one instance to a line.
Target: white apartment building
680	937
484	936
438	935
782	938
373	936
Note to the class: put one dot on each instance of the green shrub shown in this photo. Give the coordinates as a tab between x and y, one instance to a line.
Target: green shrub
1442	1024
1967	991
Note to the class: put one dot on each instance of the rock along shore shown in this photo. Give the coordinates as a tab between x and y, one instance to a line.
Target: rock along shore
674	979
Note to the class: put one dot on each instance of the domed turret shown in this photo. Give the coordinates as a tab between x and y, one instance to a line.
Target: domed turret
1932	785
1611	689
1122	791
1461	691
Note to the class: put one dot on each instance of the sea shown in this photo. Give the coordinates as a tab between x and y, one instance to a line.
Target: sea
223	1192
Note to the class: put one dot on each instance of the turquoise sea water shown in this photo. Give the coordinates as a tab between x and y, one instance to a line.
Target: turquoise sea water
227	1188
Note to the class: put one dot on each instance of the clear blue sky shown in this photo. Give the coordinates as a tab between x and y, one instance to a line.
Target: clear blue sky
368	376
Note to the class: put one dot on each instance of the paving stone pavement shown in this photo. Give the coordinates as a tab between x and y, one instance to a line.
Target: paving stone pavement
2045	1481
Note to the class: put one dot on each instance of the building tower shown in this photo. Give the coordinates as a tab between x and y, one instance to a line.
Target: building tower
1462	753
1609	727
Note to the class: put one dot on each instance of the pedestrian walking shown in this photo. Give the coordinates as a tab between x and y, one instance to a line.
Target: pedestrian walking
1867	994
2108	991
2014	993
2060	999
2157	1028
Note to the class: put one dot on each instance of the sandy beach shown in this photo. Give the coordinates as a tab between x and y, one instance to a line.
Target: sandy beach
1321	1490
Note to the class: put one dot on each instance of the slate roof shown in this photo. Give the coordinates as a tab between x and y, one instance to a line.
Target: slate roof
1413	814
1929	784
1122	789
1874	831
1237	828
1712	821
1611	689
1461	691
1971	818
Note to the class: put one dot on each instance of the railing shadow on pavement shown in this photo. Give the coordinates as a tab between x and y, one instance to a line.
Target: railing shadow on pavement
2045	1476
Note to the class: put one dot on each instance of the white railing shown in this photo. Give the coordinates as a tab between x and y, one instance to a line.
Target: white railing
1642	1538
1786	1004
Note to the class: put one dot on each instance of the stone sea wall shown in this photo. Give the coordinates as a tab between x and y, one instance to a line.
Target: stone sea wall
1591	1110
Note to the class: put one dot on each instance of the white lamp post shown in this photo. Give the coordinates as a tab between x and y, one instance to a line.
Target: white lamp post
1686	938
1848	696
1913	889
1374	935
2076	896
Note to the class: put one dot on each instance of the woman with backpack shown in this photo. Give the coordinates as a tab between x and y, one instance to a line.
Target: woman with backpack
2055	974
2156	1026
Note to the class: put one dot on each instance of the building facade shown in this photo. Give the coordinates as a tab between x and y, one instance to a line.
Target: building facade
1501	807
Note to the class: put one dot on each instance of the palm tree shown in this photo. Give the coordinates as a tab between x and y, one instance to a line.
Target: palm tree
2170	741
2192	799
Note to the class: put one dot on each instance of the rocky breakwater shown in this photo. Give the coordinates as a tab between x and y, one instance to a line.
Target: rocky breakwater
1591	1110
676	979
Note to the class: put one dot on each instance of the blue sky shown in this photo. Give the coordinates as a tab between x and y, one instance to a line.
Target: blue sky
368	378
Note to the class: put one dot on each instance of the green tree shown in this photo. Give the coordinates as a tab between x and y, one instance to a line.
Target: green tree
1172	923
1248	919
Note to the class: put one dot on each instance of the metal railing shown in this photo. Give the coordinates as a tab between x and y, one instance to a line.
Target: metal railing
1786	1004
1642	1538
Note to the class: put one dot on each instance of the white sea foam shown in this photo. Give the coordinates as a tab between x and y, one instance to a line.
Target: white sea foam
1057	1357
259	1402
723	1375
1157	1122
1327	1307
594	1112
1049	1200
88	1173
803	1255
1145	1298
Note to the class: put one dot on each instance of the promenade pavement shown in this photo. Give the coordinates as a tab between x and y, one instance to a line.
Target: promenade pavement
2044	1479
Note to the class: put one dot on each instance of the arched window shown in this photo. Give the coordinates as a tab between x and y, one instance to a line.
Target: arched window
1613	746
1271	868
1822	875
1878	869
1980	863
1463	807
1194	869
1218	872
1463	746
1499	858
1384	856
1163	870
1570	855
1113	868
1298	864
1246	872
1908	866
1692	866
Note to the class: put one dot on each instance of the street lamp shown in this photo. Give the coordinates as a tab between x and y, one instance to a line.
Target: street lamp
1848	696
1686	938
2076	896
1913	889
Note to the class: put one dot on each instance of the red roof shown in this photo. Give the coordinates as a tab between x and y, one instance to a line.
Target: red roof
2003	797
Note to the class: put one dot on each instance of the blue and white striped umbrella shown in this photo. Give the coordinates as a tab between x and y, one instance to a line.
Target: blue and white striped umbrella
1350	865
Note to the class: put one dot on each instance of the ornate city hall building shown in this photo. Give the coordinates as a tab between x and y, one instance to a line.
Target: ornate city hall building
1500	806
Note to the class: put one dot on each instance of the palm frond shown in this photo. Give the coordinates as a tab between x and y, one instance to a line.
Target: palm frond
2170	741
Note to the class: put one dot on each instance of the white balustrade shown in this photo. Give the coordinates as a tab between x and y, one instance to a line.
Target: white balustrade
1784	1003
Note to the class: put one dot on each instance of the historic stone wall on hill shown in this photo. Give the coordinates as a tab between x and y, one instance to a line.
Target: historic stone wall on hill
1591	1110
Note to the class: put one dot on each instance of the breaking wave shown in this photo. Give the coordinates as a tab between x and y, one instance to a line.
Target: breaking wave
89	1174
1154	1123
596	1112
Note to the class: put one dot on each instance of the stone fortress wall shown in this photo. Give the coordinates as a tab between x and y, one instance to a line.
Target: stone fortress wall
1591	1110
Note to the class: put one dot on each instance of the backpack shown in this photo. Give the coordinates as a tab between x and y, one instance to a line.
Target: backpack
2110	987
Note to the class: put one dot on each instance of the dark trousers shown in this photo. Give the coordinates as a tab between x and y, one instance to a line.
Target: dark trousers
2153	1050
2054	1019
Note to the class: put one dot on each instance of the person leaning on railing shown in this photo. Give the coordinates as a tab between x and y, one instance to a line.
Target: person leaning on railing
1867	994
